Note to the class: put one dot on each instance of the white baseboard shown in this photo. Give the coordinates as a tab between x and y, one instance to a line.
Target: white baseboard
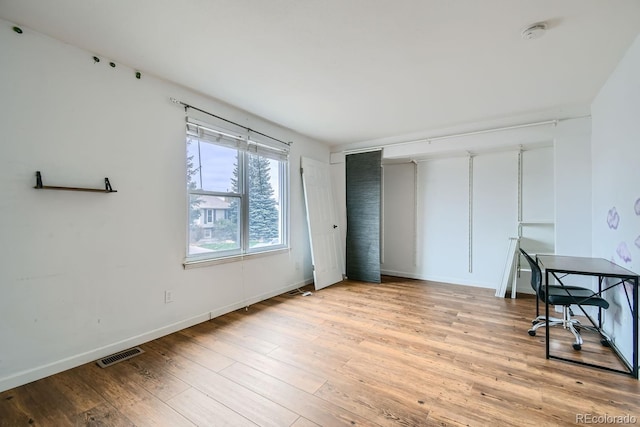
253	300
400	274
441	279
39	372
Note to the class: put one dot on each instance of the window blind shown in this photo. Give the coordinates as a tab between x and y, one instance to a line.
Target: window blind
241	139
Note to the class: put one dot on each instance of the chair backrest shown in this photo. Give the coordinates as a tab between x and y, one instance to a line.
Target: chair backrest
536	274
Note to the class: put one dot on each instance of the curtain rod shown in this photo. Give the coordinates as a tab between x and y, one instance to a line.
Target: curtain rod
228	121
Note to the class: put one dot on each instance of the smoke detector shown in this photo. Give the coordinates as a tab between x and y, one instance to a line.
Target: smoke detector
534	31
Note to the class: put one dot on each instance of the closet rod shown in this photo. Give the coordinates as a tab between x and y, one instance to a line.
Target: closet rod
470	133
489	130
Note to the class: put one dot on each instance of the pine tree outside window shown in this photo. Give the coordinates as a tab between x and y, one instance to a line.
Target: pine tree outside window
238	192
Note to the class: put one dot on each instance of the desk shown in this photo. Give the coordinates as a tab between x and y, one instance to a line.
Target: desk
561	266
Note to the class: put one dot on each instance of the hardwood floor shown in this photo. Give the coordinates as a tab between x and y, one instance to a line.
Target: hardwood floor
400	353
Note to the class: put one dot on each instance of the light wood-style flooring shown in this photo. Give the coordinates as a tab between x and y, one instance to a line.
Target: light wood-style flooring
399	353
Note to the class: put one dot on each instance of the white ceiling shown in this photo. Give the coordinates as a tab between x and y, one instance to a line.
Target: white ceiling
348	71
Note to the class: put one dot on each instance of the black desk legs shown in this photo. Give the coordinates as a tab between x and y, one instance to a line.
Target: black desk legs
546	310
633	369
635	328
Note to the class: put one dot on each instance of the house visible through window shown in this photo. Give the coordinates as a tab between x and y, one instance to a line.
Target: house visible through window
238	192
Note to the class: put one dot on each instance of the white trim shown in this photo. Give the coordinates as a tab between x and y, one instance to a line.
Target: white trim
247	302
415	213
362	150
439	279
39	372
27	376
188	264
377	144
470	218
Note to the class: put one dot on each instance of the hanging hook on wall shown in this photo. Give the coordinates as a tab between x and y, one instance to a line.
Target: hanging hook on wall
17	30
96	59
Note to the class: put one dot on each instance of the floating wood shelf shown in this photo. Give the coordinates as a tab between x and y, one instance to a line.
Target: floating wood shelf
107	186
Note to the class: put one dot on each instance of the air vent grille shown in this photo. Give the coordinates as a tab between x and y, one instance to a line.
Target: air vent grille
119	357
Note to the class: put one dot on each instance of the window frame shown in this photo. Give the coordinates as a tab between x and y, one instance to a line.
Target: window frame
283	202
243	215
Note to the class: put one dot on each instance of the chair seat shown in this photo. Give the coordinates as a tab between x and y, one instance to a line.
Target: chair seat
568	295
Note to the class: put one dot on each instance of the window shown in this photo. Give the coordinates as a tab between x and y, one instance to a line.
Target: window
238	192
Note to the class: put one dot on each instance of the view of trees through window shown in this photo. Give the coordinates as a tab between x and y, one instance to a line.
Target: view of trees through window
217	192
264	218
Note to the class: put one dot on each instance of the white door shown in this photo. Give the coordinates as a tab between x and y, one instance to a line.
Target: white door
326	252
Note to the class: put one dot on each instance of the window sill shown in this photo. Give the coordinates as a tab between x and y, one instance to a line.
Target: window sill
234	258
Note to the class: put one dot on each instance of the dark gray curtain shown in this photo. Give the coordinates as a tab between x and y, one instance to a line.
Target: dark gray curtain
364	180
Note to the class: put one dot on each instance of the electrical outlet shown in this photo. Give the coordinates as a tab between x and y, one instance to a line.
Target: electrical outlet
168	297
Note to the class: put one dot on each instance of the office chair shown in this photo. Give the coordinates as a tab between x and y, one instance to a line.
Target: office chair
564	296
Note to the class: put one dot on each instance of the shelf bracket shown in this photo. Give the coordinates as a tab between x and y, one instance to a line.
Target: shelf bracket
38	179
107	185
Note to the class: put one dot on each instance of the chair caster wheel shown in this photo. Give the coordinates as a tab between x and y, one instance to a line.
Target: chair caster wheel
605	342
577	347
532	332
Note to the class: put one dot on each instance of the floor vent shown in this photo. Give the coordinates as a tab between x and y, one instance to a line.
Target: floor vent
119	357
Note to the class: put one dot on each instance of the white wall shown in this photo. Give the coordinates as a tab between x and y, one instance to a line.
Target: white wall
441	221
495	214
339	188
443	218
538	207
556	188
572	170
556	179
616	183
442	231
84	274
399	219
537	185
